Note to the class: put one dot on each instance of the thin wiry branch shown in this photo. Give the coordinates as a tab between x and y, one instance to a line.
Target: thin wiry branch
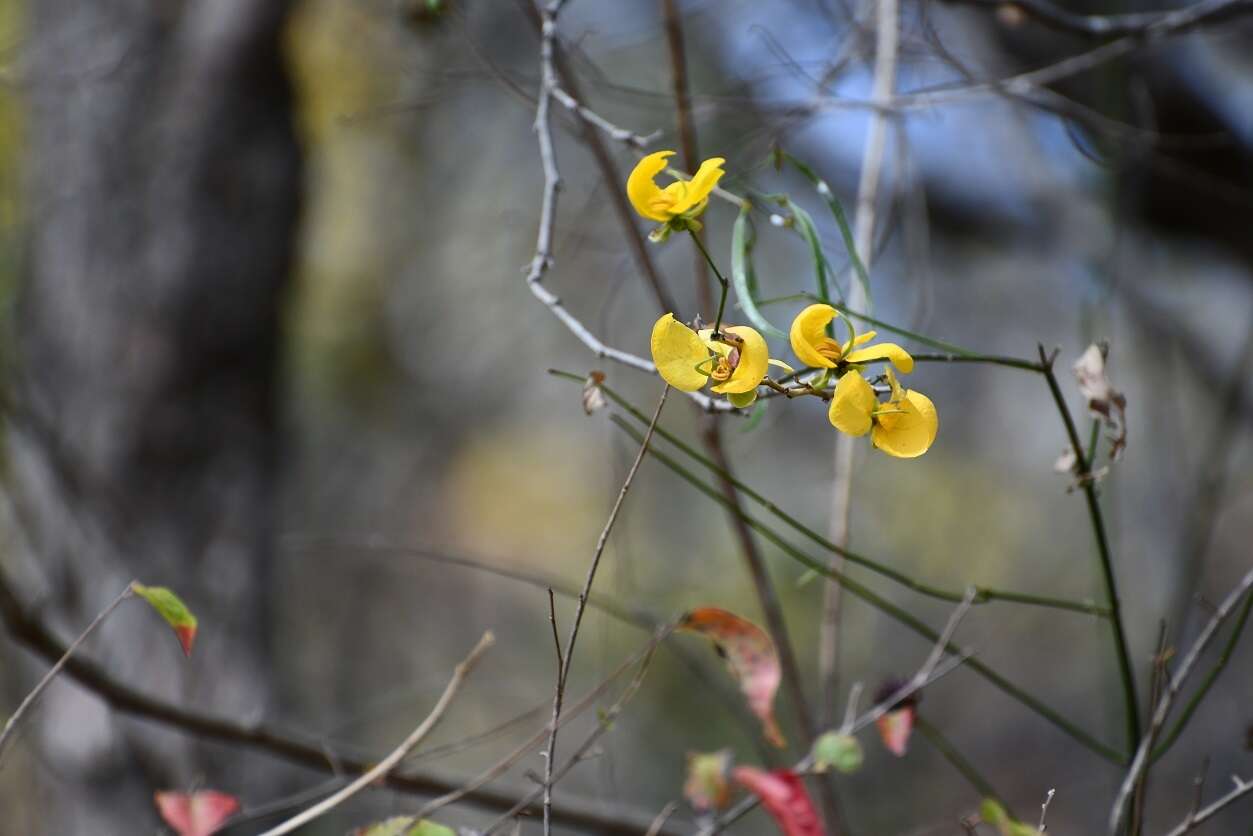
29	630
565	658
393	759
1241	789
10	727
1096	26
604	723
542	259
1167	25
1175	685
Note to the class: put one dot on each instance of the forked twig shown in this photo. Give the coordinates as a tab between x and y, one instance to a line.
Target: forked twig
1173	687
566	657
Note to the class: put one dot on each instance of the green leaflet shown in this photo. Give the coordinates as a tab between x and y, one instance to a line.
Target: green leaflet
744	277
170	607
841	220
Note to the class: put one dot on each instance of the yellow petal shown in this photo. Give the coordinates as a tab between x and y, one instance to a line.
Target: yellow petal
907	428
883	351
677	351
751	368
779	364
808	330
699	187
860	339
641	189
852	405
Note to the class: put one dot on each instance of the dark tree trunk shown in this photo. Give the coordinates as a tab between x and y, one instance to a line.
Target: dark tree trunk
164	194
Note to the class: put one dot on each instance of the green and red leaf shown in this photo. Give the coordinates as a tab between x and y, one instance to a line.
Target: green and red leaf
196	813
708	786
751	655
170	607
783	794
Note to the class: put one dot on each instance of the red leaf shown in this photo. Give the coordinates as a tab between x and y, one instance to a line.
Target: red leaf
196	813
783	794
895	727
752	658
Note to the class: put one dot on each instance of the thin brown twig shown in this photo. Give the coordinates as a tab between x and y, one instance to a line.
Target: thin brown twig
605	722
507	762
398	754
30	631
1173	687
10	727
1093	26
1240	790
566	658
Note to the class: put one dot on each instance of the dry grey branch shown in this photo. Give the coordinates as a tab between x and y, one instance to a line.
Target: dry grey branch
1141	761
10	727
398	754
566	658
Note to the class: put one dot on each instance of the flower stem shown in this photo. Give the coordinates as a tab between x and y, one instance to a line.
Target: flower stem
1084	476
722	280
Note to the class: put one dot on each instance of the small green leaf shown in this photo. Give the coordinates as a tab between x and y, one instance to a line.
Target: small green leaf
754	417
170	607
841	220
805	225
992	812
404	826
839	751
744	277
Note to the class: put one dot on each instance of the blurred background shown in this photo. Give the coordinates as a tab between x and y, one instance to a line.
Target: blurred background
268	343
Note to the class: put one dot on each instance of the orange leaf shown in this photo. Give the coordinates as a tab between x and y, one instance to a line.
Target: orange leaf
783	794
751	655
196	813
895	727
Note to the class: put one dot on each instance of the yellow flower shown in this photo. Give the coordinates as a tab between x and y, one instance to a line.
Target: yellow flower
687	360
904	426
812	345
682	199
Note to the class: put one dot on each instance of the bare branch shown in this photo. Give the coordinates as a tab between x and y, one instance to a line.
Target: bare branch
398	754
565	661
1095	26
542	259
1141	761
10	727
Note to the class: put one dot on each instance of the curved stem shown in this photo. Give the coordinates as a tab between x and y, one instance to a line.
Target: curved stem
983	594
722	280
1084	474
883	605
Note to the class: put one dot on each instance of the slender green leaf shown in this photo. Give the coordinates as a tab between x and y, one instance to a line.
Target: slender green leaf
170	607
841	220
744	277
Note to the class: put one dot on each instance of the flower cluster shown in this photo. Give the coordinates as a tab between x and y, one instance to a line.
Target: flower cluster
735	360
